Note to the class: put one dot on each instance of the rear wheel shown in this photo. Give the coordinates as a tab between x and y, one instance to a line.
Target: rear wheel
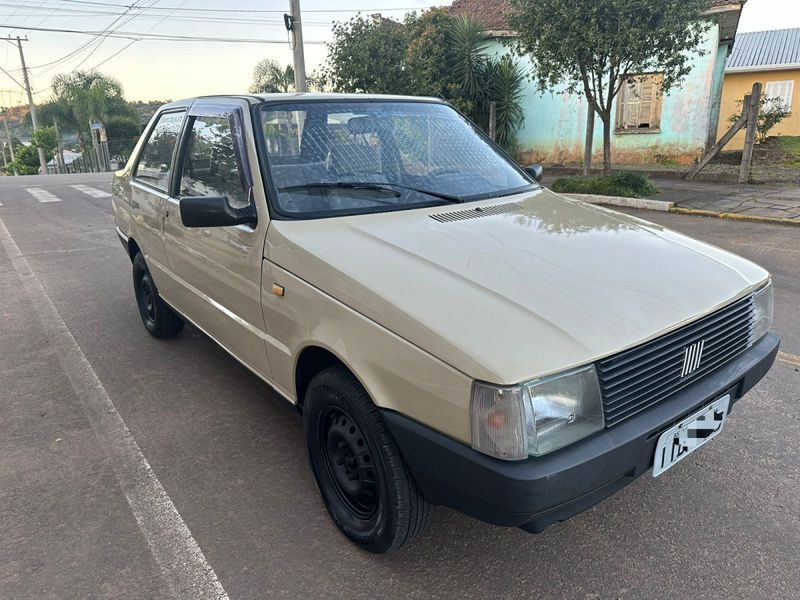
158	318
361	475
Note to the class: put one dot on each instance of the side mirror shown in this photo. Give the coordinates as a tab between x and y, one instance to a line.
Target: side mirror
214	211
535	171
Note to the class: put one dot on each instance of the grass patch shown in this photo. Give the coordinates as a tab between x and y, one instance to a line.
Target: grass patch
626	184
788	145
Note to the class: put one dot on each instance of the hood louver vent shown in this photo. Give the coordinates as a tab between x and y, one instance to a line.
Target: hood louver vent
477	212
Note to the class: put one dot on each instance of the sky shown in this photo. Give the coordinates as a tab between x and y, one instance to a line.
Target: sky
161	70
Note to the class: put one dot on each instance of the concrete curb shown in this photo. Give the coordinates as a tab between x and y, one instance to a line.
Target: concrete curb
661	205
734	216
625	202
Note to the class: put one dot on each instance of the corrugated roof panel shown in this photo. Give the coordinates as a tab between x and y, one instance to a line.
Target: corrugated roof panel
765	49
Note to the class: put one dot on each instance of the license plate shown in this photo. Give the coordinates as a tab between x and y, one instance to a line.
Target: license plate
677	442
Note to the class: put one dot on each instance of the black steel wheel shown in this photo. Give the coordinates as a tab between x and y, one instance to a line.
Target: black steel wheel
366	486
349	463
158	318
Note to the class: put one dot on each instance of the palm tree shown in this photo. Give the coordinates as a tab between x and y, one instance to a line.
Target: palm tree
269	77
506	80
483	80
469	43
87	96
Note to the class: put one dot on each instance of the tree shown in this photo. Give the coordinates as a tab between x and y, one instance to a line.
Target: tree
368	55
592	46
269	77
482	80
771	111
26	160
83	96
428	54
123	133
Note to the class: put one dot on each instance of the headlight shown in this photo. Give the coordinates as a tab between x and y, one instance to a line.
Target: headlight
762	320
536	417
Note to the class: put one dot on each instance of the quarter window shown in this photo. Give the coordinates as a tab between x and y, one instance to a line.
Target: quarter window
156	158
210	168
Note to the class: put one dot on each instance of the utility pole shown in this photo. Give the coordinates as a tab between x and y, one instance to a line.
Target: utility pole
8	139
295	26
31	105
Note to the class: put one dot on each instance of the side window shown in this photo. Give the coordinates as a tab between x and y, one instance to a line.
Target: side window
210	168
156	157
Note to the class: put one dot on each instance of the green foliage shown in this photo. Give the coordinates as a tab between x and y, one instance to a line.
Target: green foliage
506	80
27	157
45	138
627	184
367	55
789	146
470	43
122	132
591	46
269	78
428	54
771	112
83	96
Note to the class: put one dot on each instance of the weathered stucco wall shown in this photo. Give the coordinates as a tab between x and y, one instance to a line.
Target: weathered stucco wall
555	122
738	84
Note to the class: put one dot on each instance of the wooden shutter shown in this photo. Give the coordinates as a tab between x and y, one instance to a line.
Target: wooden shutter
640	103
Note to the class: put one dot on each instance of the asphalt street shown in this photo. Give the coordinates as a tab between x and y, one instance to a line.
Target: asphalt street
228	454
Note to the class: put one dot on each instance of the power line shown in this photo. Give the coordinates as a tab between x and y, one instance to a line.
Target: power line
132	42
108	29
253	10
14	79
179	18
54	63
134	35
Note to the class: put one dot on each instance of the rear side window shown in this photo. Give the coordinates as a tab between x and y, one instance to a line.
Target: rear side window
210	168
156	157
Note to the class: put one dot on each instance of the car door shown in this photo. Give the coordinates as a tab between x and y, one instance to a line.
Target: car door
149	190
217	270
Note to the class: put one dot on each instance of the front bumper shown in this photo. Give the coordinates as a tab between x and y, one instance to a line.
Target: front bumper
540	491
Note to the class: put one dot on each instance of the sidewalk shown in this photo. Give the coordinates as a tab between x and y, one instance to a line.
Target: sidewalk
732	198
737	200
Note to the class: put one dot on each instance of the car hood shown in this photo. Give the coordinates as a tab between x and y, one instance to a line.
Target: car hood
513	288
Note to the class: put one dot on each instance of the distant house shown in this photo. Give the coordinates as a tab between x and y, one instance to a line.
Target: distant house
773	58
648	128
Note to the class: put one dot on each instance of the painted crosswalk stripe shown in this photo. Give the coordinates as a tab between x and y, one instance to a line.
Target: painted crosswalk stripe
90	191
42	195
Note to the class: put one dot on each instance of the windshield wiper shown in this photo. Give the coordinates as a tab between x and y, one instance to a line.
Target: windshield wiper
368	185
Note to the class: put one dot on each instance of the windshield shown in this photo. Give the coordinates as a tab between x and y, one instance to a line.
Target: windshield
334	158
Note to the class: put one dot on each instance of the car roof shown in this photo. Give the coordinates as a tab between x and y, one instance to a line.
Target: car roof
304	97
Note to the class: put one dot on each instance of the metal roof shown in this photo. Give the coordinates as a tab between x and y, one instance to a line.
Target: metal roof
765	50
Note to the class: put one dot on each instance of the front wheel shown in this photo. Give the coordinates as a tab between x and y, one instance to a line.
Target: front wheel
366	486
158	318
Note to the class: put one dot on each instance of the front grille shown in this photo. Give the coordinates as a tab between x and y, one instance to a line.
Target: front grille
643	376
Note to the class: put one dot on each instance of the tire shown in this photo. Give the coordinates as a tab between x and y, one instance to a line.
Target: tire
366	485
158	318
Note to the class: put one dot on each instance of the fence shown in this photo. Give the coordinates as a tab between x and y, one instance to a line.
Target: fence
100	158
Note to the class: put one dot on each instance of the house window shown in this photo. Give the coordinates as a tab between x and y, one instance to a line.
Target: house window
639	104
780	89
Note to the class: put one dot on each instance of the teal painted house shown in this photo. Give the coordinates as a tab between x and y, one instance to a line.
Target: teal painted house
649	128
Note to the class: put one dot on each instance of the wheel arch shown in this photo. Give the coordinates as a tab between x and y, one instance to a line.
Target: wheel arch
311	360
133	248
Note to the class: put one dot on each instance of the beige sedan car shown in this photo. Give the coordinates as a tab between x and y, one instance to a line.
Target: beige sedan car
452	332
